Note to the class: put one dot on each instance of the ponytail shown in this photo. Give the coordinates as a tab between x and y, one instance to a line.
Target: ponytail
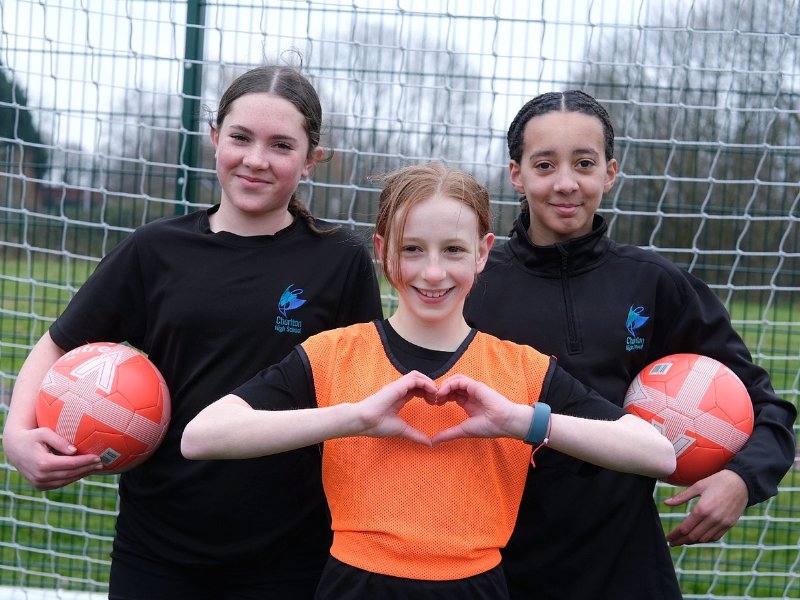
298	210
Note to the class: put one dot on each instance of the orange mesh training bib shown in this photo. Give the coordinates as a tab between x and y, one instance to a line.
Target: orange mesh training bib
406	510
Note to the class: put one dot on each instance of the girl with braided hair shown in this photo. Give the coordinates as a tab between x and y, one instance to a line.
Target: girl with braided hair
562	285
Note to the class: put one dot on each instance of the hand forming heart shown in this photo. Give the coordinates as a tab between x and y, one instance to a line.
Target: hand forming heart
489	413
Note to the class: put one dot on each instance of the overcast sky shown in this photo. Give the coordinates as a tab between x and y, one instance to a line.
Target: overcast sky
76	57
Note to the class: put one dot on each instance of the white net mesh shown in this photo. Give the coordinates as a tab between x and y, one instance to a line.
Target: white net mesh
102	128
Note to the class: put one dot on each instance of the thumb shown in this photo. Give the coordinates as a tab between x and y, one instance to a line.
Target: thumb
415	435
56	442
451	433
682	497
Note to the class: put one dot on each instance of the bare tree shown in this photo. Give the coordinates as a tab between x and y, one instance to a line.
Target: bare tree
141	139
708	131
389	98
393	98
142	155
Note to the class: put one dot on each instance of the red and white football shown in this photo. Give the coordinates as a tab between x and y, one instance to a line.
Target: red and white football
700	405
106	399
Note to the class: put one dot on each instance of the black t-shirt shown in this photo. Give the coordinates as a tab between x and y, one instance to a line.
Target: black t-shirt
211	310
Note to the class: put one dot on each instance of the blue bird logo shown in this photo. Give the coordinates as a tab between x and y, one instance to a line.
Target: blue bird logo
635	319
289	300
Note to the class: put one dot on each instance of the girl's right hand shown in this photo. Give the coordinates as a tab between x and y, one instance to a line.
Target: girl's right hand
42	456
379	411
47	460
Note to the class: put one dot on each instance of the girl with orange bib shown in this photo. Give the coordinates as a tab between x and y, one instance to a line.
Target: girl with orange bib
427	426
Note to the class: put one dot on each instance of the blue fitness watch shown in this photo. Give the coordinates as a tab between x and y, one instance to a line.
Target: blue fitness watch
540	423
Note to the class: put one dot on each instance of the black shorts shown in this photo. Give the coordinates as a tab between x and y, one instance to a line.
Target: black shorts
136	578
343	582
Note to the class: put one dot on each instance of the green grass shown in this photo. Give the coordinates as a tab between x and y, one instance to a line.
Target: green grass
757	557
32	294
67	534
64	536
775	344
57	538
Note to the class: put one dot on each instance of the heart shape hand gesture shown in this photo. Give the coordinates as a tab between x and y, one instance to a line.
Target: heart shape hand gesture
489	413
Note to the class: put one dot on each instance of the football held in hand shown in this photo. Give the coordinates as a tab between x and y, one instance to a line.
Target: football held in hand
106	399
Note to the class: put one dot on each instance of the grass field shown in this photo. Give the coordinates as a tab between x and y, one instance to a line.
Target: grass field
64	536
32	294
757	558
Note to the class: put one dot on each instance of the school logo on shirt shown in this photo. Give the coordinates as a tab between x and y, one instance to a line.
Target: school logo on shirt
290	300
636	318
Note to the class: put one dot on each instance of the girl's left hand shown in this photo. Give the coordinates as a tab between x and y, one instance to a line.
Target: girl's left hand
723	498
490	414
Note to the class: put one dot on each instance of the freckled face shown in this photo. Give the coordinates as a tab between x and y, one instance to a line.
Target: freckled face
262	154
563	174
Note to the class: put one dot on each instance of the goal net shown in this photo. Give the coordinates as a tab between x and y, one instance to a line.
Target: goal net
103	127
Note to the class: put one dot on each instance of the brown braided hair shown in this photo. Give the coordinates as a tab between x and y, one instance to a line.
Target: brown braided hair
569	101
